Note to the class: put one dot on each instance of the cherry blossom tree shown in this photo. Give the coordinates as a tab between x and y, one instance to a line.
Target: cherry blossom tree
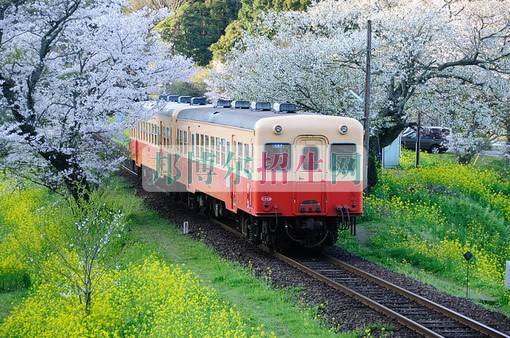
66	67
449	59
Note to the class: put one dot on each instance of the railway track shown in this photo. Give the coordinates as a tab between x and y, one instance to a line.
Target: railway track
419	314
411	310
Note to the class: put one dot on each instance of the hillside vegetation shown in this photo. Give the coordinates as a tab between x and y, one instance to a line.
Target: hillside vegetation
422	221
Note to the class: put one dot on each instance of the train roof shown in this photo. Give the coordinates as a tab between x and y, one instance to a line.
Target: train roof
240	118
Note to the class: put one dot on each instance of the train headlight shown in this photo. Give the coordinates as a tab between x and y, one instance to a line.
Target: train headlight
343	129
278	129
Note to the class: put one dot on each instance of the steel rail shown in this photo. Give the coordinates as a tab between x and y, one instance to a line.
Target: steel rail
359	297
482	328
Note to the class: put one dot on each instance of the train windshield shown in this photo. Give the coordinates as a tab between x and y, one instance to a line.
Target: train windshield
277	156
343	157
310	157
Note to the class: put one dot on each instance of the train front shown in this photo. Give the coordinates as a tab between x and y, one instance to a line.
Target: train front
308	181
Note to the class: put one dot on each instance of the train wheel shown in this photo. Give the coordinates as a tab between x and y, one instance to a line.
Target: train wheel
216	210
244	224
192	202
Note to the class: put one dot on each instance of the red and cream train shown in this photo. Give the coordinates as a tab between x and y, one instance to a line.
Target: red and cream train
289	178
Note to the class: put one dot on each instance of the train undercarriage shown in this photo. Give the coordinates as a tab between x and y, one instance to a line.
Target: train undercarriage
274	231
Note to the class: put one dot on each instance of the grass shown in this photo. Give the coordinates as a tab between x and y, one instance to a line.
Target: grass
259	302
9	300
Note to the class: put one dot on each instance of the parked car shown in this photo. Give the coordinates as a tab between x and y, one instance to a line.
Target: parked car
432	139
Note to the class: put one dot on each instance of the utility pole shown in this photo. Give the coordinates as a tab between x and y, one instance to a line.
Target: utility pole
418	139
366	124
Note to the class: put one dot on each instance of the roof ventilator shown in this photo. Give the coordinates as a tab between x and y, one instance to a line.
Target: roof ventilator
184	99
222	103
198	101
260	105
282	108
163	97
172	98
240	104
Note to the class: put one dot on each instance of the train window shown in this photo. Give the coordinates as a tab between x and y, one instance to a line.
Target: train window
206	146
310	155
192	149
179	140
223	151
211	147
239	158
343	157
197	146
277	156
184	142
227	154
246	157
202	145
218	150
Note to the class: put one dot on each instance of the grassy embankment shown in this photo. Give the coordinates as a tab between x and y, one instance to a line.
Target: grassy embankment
148	293
422	221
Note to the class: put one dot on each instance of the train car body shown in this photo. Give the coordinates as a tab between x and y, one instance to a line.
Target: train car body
289	178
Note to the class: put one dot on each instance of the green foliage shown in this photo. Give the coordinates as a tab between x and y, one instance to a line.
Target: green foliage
197	25
428	217
247	21
186	88
206	30
233	33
